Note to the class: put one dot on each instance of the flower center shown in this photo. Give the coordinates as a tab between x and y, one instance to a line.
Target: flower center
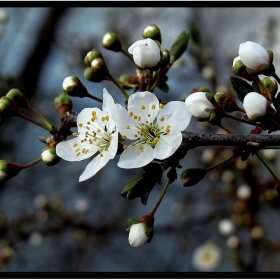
96	134
148	132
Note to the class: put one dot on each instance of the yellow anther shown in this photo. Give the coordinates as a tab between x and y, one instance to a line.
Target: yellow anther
155	140
161	119
125	147
98	130
153	106
80	124
103	119
107	118
149	115
88	122
135	117
101	154
75	144
77	150
93	113
98	144
141	148
124	137
162	127
75	134
142	107
87	128
139	118
127	127
148	141
78	154
161	105
168	126
130	113
133	144
135	135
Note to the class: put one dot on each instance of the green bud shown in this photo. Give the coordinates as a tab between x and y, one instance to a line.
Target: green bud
8	170
111	41
63	103
226	101
98	72
8	107
17	96
49	156
165	58
133	80
192	176
91	56
73	87
271	85
153	32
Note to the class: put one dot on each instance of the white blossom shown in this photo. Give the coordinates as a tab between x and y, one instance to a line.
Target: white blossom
206	257
253	55
154	128
97	134
255	105
146	53
198	104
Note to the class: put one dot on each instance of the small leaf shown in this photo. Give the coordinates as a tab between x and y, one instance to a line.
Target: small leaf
255	86
179	46
163	86
240	87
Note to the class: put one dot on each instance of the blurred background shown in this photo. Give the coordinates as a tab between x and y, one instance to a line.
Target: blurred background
50	222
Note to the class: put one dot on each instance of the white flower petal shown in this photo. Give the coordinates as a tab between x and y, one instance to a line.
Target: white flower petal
94	166
113	145
255	105
141	104
133	157
176	115
66	150
167	145
137	236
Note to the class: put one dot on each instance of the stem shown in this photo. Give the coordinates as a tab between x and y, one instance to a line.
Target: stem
239	119
268	168
30	163
127	54
157	79
150	80
126	84
40	117
47	127
220	163
95	98
160	198
226	129
119	87
276	77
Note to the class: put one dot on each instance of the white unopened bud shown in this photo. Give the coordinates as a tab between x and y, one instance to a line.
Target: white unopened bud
253	55
137	235
146	53
255	105
198	104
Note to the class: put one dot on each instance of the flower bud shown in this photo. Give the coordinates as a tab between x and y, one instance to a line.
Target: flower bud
17	96
255	105
238	66
111	41
192	176
256	58
49	156
165	58
153	32
200	88
8	107
73	87
98	71
271	85
133	80
146	53
226	101
91	56
63	103
199	105
8	170
141	231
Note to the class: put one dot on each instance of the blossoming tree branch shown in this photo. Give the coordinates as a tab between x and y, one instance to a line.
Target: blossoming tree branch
149	133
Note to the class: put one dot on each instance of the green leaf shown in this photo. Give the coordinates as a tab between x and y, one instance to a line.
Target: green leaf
255	86
163	86
179	46
127	192
240	87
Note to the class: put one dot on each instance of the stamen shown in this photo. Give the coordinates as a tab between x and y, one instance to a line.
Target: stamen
75	144
142	107
127	127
